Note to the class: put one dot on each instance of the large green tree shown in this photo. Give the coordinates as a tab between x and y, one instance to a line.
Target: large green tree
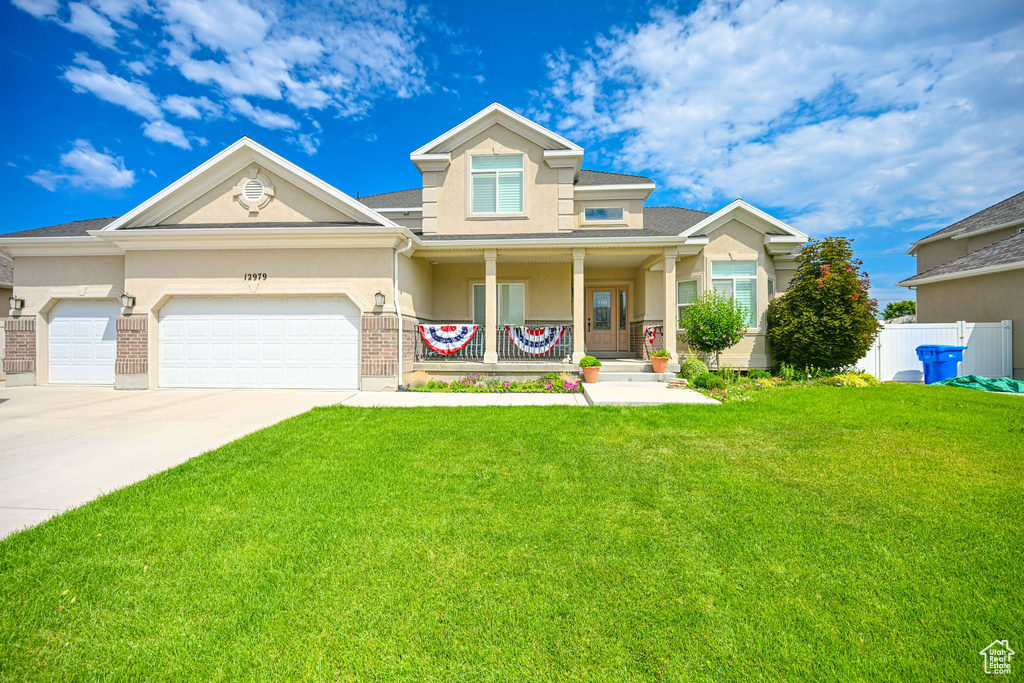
826	318
898	309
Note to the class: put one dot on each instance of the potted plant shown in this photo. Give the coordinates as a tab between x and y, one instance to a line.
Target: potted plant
659	359
591	366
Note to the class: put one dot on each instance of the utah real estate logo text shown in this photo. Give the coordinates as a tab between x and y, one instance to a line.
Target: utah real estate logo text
997	657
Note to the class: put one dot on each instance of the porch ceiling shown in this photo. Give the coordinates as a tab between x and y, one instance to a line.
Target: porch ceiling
595	258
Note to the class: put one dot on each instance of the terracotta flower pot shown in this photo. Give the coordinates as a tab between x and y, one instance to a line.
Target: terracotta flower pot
590	374
660	363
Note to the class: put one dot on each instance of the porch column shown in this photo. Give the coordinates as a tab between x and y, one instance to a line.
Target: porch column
579	296
491	308
671	325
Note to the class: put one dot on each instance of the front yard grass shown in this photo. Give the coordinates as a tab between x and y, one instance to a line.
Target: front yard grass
812	533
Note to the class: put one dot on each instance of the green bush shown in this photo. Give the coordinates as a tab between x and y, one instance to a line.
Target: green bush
826	318
758	374
589	362
729	375
850	379
691	367
713	323
708	381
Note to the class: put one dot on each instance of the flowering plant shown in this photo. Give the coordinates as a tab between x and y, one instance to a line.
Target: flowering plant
713	323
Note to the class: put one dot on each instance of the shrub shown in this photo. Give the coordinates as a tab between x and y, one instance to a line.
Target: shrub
850	379
786	372
589	362
729	375
707	380
898	309
826	318
758	374
661	353
713	323
691	367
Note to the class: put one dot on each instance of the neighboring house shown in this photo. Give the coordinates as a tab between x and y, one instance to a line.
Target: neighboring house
974	270
6	282
251	272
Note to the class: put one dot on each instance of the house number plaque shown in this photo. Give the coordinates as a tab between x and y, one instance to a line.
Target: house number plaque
255	277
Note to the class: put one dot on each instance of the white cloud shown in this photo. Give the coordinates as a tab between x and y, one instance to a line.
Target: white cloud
92	76
262	117
137	67
842	117
191	107
308	142
161	131
87	168
92	24
40	9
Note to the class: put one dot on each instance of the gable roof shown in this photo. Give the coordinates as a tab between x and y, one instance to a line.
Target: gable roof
1006	254
233	159
399	199
487	117
607	178
1003	214
748	215
72	229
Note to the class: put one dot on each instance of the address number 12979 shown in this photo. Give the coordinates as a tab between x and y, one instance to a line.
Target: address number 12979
255	276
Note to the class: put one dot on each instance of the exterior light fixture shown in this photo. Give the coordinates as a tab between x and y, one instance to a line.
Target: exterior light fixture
127	301
16	303
379	297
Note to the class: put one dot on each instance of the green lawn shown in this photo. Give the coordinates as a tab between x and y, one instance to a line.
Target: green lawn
808	533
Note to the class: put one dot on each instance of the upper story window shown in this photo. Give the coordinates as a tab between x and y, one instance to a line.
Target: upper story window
615	214
497	184
737	279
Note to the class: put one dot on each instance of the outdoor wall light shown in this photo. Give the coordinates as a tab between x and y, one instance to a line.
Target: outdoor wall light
127	301
16	303
379	297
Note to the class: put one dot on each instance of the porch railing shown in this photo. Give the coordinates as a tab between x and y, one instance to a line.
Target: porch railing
507	349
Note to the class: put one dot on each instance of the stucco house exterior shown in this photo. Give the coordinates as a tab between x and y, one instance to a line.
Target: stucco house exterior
974	270
251	272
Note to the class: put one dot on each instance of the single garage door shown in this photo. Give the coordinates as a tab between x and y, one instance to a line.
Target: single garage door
260	342
83	341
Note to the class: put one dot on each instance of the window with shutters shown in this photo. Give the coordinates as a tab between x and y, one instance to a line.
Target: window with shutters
737	279
496	184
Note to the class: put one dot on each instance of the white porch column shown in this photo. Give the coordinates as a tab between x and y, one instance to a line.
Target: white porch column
491	308
671	325
579	296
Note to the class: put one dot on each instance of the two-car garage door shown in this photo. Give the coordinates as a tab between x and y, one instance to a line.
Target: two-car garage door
260	342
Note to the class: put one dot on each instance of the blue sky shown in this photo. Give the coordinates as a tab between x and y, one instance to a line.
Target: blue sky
881	121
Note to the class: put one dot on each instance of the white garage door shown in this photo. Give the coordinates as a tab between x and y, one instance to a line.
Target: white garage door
83	341
272	342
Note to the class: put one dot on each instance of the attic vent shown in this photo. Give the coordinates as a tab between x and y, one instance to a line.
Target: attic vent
253	190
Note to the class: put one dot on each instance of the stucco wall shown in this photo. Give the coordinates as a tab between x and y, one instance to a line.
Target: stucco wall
416	286
541	191
289	204
548	287
633	213
981	299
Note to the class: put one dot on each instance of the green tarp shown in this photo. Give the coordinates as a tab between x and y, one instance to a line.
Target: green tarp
986	383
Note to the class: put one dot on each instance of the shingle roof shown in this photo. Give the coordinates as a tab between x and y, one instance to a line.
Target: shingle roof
1007	211
400	199
606	178
226	226
72	229
6	273
1003	252
671	220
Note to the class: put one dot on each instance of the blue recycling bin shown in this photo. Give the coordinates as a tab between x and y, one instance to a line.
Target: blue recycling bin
940	361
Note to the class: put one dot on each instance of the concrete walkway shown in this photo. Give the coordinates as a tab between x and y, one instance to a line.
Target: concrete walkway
61	447
641	394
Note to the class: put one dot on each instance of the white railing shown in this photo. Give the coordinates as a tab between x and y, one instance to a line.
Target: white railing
893	356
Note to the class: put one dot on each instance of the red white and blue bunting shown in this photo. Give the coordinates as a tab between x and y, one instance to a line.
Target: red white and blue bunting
447	339
535	341
651	331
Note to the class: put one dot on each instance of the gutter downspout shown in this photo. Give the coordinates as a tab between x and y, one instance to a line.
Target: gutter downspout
398	310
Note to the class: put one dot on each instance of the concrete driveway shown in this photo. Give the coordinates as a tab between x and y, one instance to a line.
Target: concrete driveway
61	447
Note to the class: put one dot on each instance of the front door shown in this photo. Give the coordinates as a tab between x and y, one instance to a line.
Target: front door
607	318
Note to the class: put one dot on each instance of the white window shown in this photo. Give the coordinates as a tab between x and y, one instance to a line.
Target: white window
615	214
737	279
771	289
497	184
686	294
511	304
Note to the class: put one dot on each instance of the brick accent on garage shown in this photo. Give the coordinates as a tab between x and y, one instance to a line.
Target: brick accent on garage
132	345
20	345
379	339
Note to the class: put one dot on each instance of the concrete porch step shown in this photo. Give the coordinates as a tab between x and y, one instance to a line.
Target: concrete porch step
648	376
634	366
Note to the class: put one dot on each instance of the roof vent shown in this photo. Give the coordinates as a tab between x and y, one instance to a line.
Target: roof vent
253	190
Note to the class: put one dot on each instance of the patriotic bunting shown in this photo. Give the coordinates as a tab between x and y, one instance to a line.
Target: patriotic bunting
447	339
535	341
652	332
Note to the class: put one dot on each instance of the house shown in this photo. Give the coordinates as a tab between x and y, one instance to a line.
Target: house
974	270
251	272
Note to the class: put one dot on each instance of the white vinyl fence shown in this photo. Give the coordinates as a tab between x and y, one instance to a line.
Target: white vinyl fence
893	356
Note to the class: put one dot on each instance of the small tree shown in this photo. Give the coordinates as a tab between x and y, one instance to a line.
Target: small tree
713	323
826	318
898	309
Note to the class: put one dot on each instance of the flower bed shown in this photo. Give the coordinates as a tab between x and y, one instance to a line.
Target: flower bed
729	384
551	383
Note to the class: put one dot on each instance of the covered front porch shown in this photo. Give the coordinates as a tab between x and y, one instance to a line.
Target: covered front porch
518	311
